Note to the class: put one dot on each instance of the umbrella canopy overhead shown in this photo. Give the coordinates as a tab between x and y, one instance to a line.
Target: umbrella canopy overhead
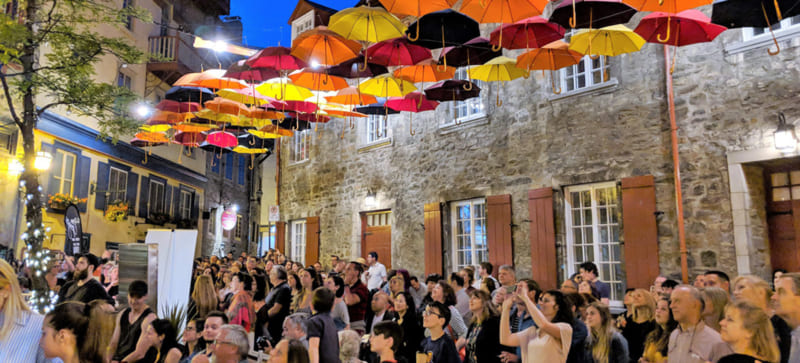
222	139
189	94
223	105
377	108
474	52
271	132
240	70
442	29
386	86
416	8
502	11
301	106
498	69
553	56
397	52
283	91
749	13
364	23
425	71
609	41
276	58
412	102
452	90
355	68
192	139
177	106
666	6
212	78
351	96
317	81
324	46
684	28
247	96
533	32
592	13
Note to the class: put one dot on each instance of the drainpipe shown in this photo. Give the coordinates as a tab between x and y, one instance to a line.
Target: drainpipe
278	172
677	169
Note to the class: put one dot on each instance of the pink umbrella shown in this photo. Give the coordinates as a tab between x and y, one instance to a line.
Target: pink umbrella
178	107
412	102
300	106
533	32
222	139
192	139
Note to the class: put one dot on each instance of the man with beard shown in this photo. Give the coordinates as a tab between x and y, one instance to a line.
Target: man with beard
84	287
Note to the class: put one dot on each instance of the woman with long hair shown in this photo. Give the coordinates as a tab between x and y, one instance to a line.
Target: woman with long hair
758	292
17	342
483	336
715	300
69	334
747	329
550	339
406	317
442	292
339	312
162	336
193	338
203	299
640	323
656	346
241	311
308	282
604	344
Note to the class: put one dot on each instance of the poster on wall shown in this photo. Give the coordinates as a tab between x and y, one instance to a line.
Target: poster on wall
74	231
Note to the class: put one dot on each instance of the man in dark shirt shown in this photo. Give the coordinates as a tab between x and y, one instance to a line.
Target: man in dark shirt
355	296
323	341
84	287
277	304
439	347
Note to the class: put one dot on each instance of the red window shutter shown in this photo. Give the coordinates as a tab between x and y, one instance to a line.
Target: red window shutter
312	240
498	228
433	238
640	230
544	268
280	237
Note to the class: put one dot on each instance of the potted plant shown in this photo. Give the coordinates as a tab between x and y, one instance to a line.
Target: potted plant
60	201
117	211
158	219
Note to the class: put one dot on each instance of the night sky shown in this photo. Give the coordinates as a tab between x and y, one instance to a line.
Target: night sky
265	20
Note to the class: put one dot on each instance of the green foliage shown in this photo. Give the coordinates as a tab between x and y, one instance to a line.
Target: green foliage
176	314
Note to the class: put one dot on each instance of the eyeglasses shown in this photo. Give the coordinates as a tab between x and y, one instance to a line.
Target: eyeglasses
429	312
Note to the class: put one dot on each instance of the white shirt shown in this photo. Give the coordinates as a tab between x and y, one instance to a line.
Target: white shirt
22	343
377	273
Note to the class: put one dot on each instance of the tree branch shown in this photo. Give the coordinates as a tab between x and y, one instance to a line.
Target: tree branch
7	91
42	109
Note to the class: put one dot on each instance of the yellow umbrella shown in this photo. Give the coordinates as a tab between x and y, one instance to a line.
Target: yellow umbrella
271	132
246	96
247	150
498	69
367	24
284	91
386	86
609	41
155	128
194	127
217	116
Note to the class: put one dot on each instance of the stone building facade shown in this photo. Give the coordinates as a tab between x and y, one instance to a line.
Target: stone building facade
728	94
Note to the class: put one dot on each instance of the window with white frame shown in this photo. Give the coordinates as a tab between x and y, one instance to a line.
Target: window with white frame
593	230
239	227
759	33
587	73
468	109
156	197
469	233
377	128
298	240
302	24
117	185
301	146
185	208
64	171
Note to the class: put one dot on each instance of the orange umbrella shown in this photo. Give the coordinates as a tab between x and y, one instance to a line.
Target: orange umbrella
194	127
351	96
425	71
416	8
502	11
167	117
271	132
343	113
212	78
223	105
667	6
324	47
318	81
553	56
153	137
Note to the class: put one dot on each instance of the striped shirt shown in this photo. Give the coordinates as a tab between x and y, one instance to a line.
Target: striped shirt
22	343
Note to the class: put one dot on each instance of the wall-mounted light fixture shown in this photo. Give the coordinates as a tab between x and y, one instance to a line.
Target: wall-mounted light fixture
785	138
371	201
43	160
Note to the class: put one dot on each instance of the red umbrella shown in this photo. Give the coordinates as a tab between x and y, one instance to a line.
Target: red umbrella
222	139
684	28
397	52
192	139
277	58
240	70
308	117
301	106
412	102
533	32
178	107
474	52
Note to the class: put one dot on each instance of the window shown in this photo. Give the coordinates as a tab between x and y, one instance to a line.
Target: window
185	207
241	171
239	226
64	171
156	197
469	109
229	166
469	233
588	72
302	24
301	144
117	185
298	240
215	160
128	20
377	128
592	220
124	80
758	33
8	139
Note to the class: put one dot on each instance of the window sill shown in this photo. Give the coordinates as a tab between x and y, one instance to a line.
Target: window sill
608	86
376	145
298	163
472	121
762	40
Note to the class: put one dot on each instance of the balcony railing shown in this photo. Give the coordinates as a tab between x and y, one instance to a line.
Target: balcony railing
173	56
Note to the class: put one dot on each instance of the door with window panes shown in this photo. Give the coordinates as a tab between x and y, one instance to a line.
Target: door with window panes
783	216
377	236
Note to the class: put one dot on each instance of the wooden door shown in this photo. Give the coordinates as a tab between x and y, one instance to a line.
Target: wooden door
783	217
376	234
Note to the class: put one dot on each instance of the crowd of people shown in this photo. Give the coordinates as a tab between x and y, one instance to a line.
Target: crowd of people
359	312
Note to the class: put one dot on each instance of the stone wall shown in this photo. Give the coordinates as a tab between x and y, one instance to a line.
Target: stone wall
723	103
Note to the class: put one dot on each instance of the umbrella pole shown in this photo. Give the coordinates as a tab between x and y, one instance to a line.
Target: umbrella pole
498	102
414	39
411	124
658	36
573	19
553	83
252	161
675	52
344	127
469	79
444	57
769	26
676	172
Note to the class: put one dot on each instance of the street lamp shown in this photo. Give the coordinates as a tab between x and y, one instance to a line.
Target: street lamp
15	167
785	138
43	160
370	201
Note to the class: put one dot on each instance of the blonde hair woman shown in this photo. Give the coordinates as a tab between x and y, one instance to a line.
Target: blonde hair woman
715	300
757	292
747	329
204	298
605	344
640	323
20	328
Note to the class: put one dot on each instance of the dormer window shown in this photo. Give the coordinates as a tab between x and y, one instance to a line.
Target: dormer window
302	24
